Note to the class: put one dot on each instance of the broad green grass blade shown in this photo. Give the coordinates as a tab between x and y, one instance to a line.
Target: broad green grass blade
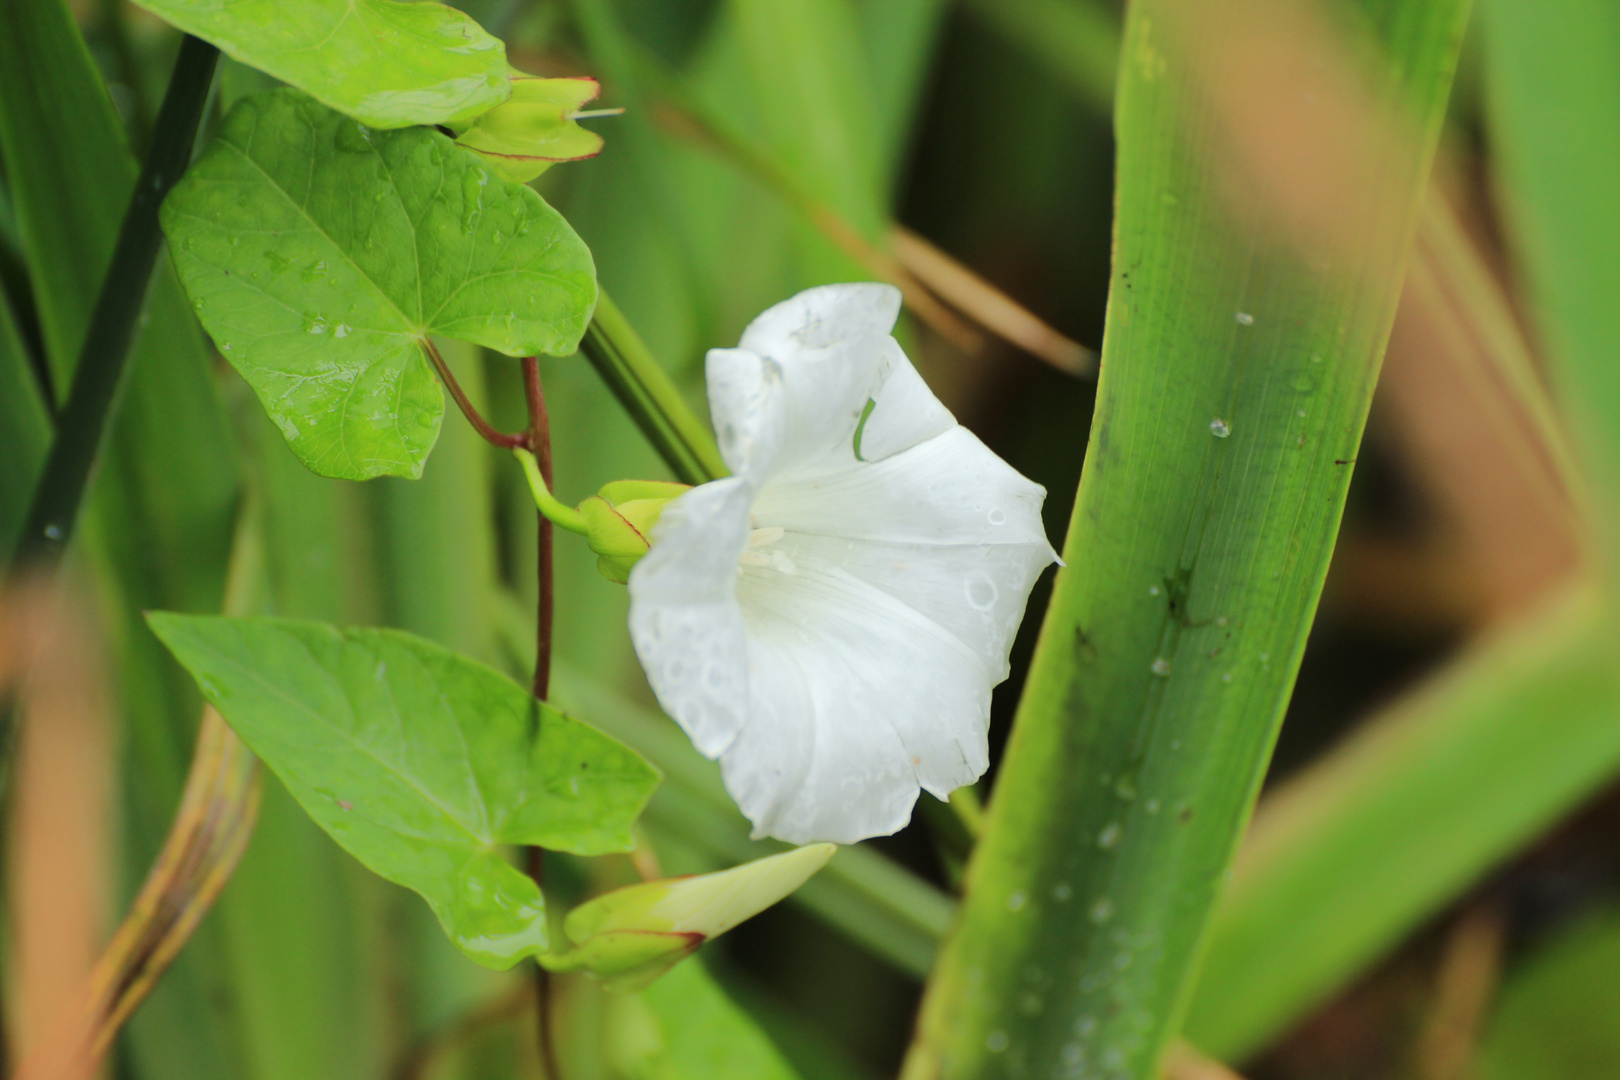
25	430
1555	1017
41	53
1247	318
1350	855
387	64
803	59
1553	77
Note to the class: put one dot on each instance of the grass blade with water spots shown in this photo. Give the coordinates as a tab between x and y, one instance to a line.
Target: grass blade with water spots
1252	297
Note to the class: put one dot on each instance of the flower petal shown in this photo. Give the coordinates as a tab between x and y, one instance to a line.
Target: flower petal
951	489
823	316
684	617
855	700
747	405
976	593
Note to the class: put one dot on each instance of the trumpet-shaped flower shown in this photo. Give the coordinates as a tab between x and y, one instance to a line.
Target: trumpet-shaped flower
829	621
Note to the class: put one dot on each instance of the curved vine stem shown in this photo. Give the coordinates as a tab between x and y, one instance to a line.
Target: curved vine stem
538	438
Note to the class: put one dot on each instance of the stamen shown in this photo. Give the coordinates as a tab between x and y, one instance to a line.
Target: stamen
768	535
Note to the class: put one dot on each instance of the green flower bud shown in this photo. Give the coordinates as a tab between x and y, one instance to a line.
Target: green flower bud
631	936
534	128
619	521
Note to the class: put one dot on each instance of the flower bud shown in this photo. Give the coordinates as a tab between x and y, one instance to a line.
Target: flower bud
534	128
619	521
631	936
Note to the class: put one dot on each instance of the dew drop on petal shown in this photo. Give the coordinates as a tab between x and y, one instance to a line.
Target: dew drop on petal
997	516
981	592
1219	428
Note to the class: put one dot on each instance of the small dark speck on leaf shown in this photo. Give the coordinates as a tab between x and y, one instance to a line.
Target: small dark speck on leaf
1185	815
1344	461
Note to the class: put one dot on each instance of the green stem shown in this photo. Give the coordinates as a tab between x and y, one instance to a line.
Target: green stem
646	391
563	517
83	422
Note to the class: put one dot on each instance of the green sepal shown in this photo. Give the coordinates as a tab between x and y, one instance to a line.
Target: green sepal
532	130
630	936
619	521
627	960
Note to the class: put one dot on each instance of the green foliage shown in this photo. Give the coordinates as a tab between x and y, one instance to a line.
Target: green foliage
421	763
684	1027
524	136
1427	798
1554	93
1243	345
320	255
387	63
1555	1017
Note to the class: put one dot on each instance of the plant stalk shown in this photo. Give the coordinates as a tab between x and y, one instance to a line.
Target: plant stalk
82	424
538	438
648	394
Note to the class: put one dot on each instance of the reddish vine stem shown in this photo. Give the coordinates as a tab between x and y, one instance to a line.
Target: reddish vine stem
480	425
538	442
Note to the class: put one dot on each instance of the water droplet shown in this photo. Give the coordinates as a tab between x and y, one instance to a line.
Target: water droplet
1015	902
997	1042
1073	1055
1161	668
1221	620
1085	1026
1108	839
1101	911
341	330
1227	677
1153	590
1219	428
1122	961
1151	806
981	592
1245	319
316	325
198	305
53	532
997	516
1061	892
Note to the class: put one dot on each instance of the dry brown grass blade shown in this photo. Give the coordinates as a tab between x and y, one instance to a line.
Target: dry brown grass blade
1464	987
989	306
688	119
1185	1062
59	874
1477	425
210	832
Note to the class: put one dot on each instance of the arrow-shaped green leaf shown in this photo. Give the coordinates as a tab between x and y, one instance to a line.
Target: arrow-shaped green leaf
320	254
421	763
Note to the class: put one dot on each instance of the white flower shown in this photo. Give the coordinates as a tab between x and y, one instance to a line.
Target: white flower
829	620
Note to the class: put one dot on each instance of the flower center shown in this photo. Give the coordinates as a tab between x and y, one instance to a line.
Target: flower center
755	555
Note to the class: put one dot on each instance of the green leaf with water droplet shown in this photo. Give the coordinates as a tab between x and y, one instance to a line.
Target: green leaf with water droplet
320	254
386	63
422	763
